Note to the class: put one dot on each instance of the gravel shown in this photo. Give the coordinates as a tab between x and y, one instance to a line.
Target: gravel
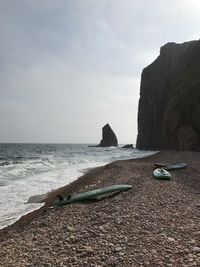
156	223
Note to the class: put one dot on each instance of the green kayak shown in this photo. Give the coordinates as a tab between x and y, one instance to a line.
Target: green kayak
91	194
172	166
161	174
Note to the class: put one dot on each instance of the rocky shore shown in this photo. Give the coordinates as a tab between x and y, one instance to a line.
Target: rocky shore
156	223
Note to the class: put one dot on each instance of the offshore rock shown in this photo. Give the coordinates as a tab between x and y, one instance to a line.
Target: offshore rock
169	110
128	146
109	137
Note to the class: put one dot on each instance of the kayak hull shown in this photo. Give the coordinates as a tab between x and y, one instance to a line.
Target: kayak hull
176	166
92	194
161	174
172	167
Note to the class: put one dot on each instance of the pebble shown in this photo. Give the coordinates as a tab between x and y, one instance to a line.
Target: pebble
72	237
196	249
171	239
117	249
88	249
70	228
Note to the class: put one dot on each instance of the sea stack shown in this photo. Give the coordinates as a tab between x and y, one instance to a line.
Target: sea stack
169	110
108	137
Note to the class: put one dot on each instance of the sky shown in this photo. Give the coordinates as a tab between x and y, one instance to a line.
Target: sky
68	67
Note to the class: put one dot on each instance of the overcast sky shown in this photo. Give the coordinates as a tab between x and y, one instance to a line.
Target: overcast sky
68	67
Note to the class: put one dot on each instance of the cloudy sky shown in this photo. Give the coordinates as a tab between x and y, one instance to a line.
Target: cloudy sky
68	67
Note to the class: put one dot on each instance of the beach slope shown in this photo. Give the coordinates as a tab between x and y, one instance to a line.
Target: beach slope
156	223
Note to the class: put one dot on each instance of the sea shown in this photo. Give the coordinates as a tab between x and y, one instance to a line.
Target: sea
28	170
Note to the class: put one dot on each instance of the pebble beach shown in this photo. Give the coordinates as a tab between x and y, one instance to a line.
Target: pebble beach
156	223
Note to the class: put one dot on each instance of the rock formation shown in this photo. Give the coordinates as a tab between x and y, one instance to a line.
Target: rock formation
128	146
169	105
109	137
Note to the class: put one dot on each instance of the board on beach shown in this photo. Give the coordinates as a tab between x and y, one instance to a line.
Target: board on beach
173	166
161	174
92	194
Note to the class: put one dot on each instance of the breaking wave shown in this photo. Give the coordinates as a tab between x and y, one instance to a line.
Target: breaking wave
33	169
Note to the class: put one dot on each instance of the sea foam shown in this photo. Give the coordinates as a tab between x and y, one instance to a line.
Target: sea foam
34	169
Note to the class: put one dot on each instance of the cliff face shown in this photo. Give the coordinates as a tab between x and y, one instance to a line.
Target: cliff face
169	105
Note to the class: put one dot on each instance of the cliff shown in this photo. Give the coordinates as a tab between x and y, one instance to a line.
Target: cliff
169	109
108	137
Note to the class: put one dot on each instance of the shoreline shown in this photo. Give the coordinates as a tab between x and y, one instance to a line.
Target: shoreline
179	195
49	198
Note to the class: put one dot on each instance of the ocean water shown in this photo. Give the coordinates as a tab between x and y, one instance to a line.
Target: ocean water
33	169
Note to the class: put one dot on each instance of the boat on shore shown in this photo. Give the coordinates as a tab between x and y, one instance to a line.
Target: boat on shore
162	174
172	166
91	194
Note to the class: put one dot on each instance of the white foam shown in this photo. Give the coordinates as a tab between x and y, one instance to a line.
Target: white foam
38	176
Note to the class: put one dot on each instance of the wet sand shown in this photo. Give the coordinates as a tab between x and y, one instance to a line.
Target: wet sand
156	223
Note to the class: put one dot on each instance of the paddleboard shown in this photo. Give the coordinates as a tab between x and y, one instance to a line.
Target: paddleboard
91	194
161	174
